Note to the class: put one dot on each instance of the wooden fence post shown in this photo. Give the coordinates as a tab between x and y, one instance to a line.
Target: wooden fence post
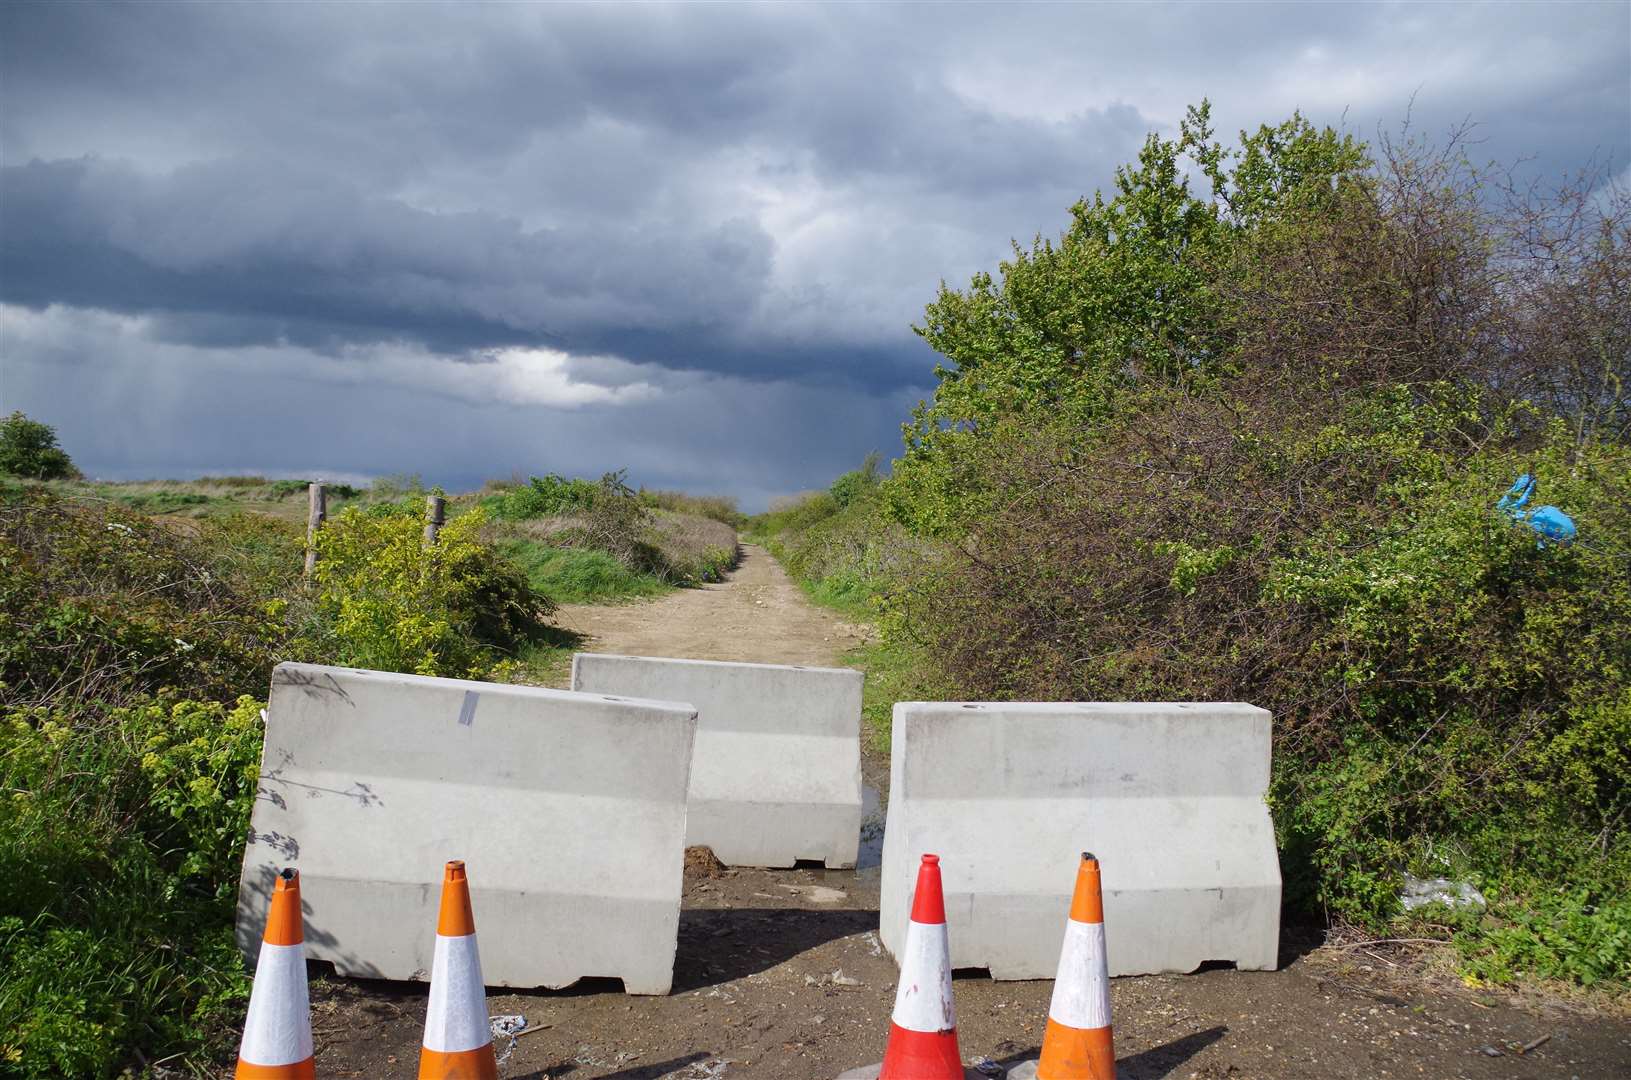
435	517
316	514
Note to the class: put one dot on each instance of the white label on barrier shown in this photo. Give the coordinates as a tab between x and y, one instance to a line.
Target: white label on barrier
923	999
278	1028
1081	990
456	1018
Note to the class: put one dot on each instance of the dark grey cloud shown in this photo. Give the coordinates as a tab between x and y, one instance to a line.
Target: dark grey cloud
306	256
752	198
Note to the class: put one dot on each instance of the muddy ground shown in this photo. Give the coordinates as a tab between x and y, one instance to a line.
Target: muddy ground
779	973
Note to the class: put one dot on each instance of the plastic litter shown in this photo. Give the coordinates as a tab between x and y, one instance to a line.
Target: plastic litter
506	1027
1550	522
1420	892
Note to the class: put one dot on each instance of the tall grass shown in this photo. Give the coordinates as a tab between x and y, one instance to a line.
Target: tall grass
579	575
720	508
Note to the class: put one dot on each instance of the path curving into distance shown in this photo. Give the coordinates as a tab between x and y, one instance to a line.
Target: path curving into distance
757	614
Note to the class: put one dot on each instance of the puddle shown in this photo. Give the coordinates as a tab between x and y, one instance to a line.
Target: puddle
872	820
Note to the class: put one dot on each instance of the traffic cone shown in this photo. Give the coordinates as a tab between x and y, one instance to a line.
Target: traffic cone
277	1032
923	1029
458	1039
1077	1043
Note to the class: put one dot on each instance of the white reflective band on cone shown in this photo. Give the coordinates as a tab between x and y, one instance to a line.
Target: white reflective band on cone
920	1007
1081	1000
456	1018
277	1030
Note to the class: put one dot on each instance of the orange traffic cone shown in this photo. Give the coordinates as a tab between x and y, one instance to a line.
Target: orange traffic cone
1077	1044
458	1041
277	1032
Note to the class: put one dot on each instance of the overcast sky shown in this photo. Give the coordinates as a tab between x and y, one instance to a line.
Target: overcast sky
351	240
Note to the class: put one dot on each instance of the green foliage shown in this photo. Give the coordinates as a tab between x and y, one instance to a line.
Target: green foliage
546	495
121	833
1569	934
393	603
625	544
1128	295
124	805
29	448
579	575
859	484
1245	445
104	603
836	542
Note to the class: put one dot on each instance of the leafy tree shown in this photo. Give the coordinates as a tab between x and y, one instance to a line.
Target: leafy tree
29	448
857	483
1129	295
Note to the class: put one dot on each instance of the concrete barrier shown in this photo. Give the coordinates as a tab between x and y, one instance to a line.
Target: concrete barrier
777	772
1168	796
568	809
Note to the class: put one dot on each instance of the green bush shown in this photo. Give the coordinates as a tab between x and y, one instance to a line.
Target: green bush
29	448
579	575
104	603
855	485
393	603
543	496
121	833
1246	443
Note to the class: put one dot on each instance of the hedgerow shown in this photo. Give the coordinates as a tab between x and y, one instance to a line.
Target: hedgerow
1246	443
133	654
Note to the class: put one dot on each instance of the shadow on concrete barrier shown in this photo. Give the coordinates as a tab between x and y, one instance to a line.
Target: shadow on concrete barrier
776	776
1170	797
568	809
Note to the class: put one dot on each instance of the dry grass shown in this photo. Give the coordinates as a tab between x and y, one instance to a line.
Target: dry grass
678	547
720	508
689	540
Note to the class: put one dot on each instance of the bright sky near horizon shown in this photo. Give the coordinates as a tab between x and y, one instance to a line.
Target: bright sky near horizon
461	240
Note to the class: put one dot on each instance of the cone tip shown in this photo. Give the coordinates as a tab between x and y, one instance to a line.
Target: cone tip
454	918
284	920
1087	900
928	902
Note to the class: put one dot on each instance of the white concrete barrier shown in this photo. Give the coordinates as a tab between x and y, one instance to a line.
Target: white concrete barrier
777	772
567	809
1168	796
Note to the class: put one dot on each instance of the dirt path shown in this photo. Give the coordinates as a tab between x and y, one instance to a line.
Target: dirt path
757	615
779	974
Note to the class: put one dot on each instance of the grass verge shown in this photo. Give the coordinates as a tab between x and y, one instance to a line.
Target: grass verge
580	575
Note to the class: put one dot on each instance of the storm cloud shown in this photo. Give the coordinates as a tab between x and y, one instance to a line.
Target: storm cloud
689	239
